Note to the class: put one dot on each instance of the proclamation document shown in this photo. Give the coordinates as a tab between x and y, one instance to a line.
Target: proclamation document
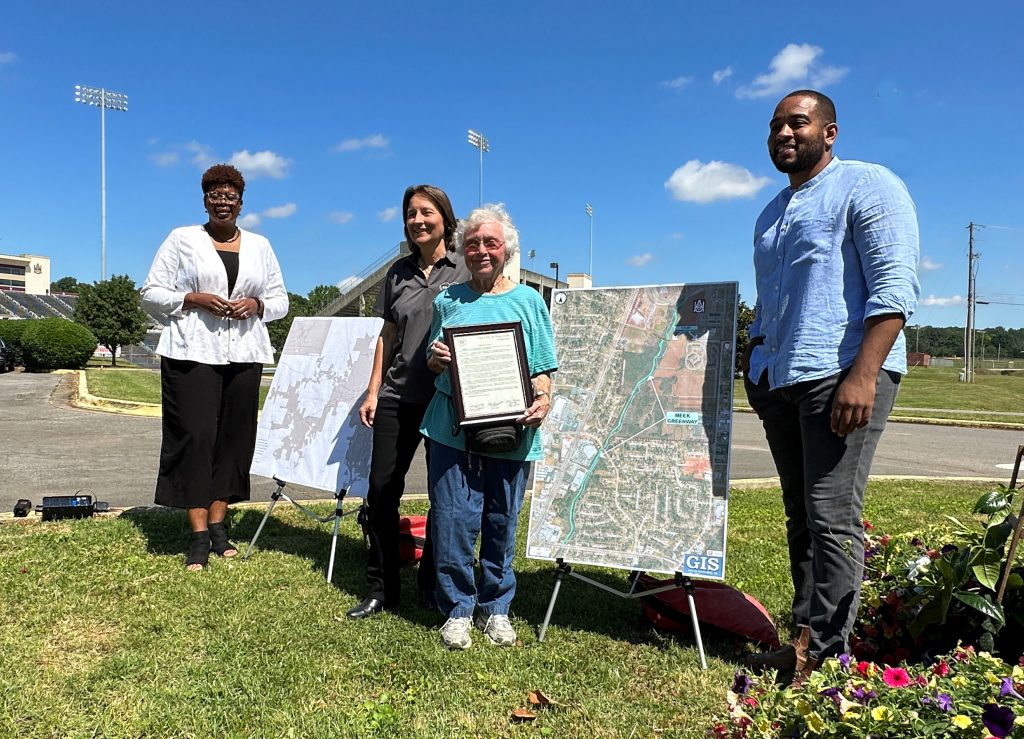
490	375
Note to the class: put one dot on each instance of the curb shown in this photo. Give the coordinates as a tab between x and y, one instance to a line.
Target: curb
82	399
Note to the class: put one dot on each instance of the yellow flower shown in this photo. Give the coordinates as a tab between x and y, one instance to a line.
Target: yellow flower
960	721
848	710
992	679
875	600
1018	673
959	681
802	707
815	723
881	713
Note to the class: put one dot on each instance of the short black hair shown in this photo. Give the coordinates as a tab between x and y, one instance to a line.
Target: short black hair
223	174
825	107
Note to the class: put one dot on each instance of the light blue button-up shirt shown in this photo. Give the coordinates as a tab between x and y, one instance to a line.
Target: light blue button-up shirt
839	249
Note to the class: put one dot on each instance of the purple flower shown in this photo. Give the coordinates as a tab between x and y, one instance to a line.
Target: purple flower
844	660
997	719
1007	689
740	683
949	549
944	702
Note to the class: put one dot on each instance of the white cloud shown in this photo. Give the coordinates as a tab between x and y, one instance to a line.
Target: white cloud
676	236
375	141
928	264
202	155
7	57
388	214
640	259
348	282
696	182
720	75
678	83
341	216
261	164
249	220
795	66
280	211
166	159
932	300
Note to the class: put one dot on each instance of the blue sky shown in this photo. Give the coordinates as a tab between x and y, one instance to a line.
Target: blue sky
654	112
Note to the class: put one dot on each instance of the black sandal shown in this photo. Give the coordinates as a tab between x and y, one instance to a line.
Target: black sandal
198	550
219	543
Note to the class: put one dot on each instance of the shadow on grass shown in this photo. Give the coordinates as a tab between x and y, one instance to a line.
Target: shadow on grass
580	607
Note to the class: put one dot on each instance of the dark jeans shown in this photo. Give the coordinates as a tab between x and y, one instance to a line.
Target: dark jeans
396	436
823	477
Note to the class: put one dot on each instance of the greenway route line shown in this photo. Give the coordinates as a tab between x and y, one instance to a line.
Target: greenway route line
662	346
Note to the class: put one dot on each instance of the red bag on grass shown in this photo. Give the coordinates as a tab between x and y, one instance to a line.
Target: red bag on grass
718	605
412	533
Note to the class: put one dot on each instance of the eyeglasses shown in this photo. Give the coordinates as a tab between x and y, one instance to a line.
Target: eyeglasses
490	244
224	197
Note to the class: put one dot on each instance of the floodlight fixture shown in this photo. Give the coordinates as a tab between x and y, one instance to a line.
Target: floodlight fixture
480	141
104	100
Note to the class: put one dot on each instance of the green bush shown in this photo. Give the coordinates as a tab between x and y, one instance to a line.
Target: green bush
11	331
56	343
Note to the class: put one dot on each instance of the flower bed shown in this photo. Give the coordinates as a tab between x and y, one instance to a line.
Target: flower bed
962	694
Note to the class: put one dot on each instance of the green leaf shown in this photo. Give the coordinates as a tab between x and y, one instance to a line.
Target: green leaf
981	605
986	569
997	534
992	502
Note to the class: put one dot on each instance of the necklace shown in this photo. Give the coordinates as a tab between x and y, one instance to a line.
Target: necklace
238	233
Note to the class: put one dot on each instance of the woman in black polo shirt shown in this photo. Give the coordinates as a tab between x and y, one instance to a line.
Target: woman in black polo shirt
401	386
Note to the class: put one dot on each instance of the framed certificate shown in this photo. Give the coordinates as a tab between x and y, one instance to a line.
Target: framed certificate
490	375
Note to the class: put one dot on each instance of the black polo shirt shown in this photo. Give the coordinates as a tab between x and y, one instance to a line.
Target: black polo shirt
407	300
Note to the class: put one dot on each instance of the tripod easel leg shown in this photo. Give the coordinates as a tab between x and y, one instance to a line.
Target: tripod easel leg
274	497
563	570
338	497
687	584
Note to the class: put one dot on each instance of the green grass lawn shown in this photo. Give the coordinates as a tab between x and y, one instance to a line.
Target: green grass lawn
939	387
105	634
139	386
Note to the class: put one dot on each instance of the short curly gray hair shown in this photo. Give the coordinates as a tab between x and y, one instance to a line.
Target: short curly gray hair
489	213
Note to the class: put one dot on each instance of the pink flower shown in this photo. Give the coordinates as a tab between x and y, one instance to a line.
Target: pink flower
941	669
885	539
896	677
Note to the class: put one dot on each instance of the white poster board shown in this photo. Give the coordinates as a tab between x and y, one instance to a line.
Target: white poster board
309	432
635	473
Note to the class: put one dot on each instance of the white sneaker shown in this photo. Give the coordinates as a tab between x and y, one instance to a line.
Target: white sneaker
455	633
497	628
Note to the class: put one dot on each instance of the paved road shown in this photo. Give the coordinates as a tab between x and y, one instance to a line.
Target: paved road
48	448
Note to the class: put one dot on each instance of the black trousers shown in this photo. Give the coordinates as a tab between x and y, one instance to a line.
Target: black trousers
209	432
396	436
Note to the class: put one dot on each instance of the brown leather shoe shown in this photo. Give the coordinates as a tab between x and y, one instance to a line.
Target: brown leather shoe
804	673
788	658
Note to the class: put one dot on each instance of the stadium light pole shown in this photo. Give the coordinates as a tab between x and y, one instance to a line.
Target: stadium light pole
590	215
104	100
554	266
480	142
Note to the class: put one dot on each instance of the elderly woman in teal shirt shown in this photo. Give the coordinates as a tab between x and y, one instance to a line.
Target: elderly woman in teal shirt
478	493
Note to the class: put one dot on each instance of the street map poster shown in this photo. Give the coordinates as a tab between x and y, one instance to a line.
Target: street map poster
309	431
635	473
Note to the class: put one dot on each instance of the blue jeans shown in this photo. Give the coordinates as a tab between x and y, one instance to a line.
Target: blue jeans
823	477
474	496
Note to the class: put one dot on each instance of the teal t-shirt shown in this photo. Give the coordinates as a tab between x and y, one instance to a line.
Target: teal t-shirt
460	305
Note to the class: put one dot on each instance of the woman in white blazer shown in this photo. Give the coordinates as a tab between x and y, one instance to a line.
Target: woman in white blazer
217	286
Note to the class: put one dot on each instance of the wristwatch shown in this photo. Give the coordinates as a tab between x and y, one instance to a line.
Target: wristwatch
541	393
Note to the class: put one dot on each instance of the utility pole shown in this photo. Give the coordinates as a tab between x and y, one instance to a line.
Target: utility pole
972	258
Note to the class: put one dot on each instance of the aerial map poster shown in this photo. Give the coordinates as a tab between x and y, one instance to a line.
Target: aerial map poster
309	432
635	473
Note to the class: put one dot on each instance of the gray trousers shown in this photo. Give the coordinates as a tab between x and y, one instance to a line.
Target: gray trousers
823	478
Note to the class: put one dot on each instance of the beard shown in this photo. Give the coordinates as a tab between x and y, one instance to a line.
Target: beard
807	155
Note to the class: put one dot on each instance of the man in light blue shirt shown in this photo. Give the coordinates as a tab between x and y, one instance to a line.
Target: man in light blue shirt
835	258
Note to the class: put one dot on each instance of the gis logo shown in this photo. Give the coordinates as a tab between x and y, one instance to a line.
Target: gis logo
700	563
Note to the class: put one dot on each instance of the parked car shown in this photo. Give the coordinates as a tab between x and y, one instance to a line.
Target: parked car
6	357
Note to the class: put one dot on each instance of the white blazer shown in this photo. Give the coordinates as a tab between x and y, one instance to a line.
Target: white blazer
187	262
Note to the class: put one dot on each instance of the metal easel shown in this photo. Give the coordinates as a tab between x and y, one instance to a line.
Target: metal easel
336	517
681	581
